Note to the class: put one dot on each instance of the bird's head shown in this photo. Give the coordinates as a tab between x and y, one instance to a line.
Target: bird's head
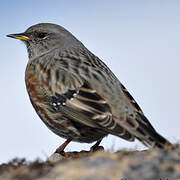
44	37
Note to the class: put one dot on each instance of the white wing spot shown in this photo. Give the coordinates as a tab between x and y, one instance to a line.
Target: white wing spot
54	104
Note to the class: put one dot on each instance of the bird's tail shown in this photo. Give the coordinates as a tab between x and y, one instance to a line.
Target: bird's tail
155	140
151	137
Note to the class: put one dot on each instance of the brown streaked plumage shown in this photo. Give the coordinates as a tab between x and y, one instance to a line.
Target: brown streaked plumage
76	94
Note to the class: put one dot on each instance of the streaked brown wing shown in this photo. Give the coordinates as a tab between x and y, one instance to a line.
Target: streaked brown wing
73	97
85	106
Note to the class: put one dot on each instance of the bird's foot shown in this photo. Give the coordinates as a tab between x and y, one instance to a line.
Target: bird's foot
61	152
96	148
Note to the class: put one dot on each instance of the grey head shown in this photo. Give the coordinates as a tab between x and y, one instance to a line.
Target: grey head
44	37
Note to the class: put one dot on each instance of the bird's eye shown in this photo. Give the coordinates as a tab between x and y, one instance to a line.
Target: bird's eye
41	35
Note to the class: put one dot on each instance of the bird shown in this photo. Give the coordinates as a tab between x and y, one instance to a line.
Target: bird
76	95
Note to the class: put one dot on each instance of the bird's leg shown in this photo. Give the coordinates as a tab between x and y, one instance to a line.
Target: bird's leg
96	146
61	148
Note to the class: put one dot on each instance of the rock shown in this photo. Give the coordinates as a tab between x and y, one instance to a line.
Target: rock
55	158
152	164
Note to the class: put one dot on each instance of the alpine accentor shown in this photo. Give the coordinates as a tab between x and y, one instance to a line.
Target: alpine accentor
76	95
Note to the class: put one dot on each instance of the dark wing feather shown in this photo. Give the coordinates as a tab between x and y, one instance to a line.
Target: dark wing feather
131	99
85	106
73	96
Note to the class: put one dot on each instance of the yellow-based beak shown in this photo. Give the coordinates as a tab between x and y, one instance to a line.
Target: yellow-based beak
20	36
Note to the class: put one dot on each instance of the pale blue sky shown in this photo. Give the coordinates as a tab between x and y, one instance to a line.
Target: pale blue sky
138	40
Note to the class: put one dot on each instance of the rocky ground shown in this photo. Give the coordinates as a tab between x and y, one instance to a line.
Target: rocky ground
152	164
